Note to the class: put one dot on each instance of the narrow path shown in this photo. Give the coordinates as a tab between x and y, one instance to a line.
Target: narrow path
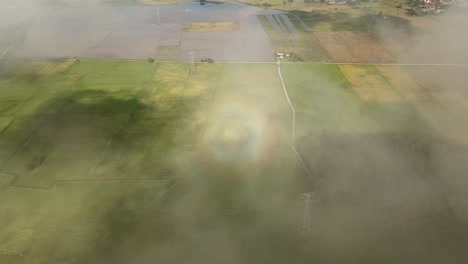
293	123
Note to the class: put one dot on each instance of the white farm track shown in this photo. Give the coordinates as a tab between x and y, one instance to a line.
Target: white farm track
293	124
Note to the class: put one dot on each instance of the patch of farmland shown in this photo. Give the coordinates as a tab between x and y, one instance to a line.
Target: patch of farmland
432	79
279	25
19	87
353	46
368	84
289	25
168	131
457	76
170	108
282	25
249	78
397	47
345	161
102	103
210	26
304	49
5	121
365	47
273	22
249	86
42	102
445	84
10	107
144	163
167	84
40	67
78	210
312	50
202	84
116	78
321	94
45	160
336	47
95	67
285	37
403	83
83	125
167	53
14	136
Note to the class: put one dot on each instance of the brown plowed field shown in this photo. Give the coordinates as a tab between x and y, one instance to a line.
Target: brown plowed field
168	53
441	82
353	46
336	47
364	47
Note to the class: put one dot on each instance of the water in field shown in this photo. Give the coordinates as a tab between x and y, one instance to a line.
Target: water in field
136	32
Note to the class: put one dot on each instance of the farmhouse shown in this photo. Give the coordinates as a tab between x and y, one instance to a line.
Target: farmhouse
282	55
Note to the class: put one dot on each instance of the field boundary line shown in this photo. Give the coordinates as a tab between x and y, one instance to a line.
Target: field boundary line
23	145
11	253
293	124
142	92
7	126
57	182
100	42
4	51
182	94
388	82
208	116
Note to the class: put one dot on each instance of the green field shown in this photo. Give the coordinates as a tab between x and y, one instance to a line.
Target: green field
72	131
325	101
139	160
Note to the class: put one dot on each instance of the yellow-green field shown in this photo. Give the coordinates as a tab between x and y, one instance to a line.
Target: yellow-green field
210	26
368	84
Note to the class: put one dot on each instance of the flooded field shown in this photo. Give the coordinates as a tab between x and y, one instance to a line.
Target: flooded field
138	32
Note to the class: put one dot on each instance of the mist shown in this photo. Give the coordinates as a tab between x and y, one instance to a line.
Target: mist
105	165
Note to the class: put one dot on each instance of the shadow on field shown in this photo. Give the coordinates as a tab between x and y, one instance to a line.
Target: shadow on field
75	131
218	213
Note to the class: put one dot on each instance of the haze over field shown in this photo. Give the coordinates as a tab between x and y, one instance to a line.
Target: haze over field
116	161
